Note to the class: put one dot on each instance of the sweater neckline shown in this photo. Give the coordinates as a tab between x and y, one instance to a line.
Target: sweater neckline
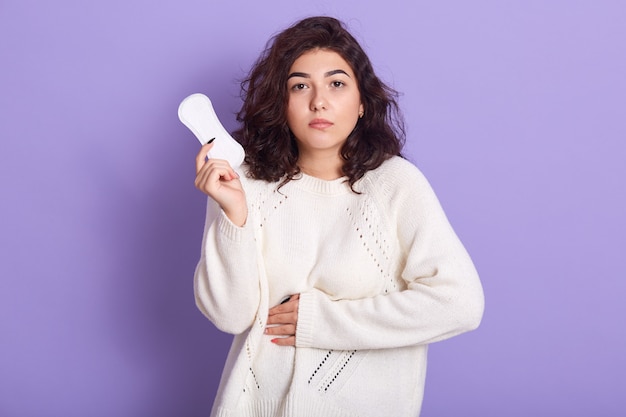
319	186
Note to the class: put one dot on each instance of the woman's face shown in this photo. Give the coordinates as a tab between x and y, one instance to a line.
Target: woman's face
323	102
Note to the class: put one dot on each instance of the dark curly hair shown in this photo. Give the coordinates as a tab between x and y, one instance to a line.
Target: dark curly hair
271	150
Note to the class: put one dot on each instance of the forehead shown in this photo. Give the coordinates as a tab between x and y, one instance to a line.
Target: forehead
320	61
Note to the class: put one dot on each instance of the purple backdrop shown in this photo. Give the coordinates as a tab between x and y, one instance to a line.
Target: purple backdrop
516	112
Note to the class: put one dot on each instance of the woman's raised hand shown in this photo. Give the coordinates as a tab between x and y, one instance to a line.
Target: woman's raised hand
217	179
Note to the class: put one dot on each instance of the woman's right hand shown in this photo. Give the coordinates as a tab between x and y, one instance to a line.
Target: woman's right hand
217	179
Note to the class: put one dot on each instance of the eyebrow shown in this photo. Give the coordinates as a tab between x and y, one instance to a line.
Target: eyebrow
326	74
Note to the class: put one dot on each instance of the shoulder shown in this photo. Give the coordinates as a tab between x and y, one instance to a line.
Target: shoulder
395	175
401	190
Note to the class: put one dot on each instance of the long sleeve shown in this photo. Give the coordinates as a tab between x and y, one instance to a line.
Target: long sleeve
380	274
226	281
442	294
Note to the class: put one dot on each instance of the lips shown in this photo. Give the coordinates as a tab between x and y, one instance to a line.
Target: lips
320	124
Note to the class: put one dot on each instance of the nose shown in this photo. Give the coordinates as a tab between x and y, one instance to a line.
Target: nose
318	101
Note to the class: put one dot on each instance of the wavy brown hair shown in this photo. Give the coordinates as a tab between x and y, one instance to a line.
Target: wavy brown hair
271	150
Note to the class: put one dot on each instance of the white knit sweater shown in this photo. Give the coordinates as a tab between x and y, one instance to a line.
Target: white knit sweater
381	274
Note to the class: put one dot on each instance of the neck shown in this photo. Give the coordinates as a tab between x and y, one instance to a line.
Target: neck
325	168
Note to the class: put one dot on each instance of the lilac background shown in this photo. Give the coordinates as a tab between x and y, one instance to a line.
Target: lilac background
516	112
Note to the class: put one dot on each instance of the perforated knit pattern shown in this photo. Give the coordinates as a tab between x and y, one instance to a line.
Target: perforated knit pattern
321	364
374	292
369	227
342	363
265	205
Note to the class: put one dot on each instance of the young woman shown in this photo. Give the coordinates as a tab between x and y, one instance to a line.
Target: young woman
331	261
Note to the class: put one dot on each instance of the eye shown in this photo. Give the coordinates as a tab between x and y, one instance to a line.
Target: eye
338	84
298	87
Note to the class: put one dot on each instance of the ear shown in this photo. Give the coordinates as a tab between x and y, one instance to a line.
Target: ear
361	110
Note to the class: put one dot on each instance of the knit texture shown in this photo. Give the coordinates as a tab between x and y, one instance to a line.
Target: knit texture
381	274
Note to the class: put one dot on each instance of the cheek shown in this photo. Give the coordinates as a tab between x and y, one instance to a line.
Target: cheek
294	112
352	105
351	110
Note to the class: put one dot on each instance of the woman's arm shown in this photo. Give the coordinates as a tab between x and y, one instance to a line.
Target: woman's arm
443	297
226	281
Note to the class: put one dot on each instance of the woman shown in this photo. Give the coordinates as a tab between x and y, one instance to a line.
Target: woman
332	261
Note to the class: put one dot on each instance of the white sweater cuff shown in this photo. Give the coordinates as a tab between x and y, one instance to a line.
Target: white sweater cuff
230	230
306	314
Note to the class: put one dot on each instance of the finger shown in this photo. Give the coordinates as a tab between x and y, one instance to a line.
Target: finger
202	156
284	330
226	172
290	298
212	172
285	318
203	177
288	307
291	304
281	309
284	341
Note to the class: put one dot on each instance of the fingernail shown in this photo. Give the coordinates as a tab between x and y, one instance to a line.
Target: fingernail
273	340
210	141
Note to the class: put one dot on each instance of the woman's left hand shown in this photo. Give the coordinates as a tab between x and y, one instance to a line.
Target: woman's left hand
283	319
